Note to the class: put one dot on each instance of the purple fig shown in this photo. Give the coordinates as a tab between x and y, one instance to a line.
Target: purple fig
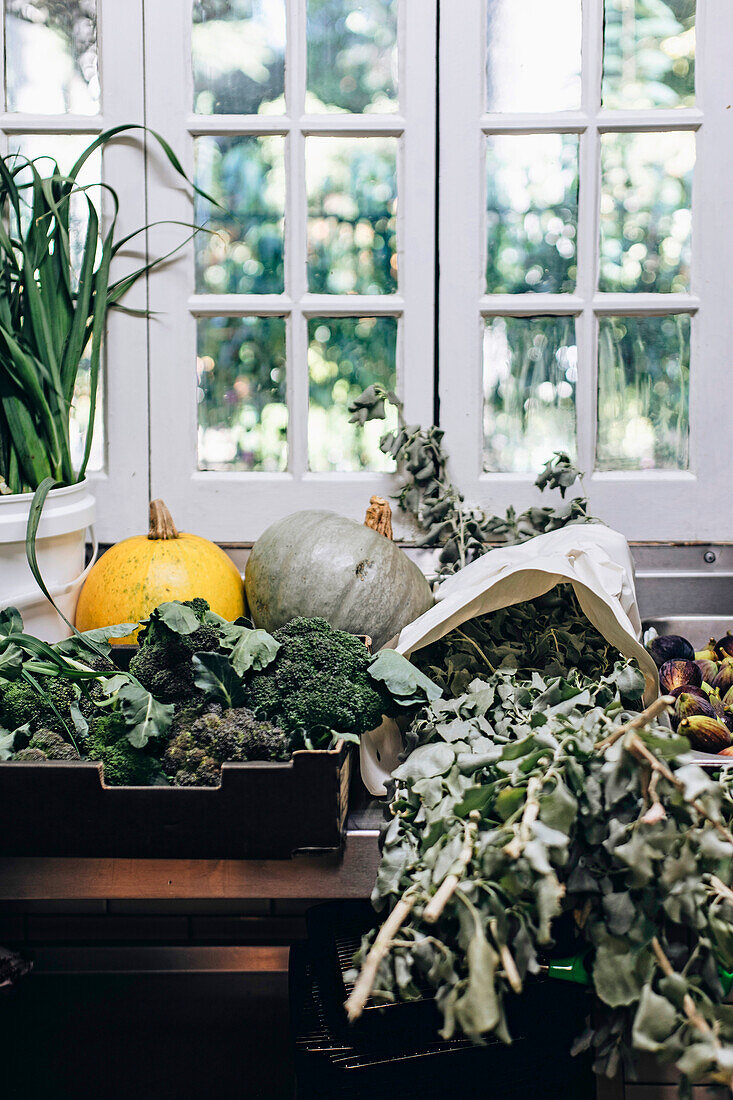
724	646
723	682
705	734
670	647
709	669
689	689
688	704
674	674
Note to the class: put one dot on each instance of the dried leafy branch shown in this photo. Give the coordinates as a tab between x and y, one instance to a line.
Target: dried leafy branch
544	802
463	531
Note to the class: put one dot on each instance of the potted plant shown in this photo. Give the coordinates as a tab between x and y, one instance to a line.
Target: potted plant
53	309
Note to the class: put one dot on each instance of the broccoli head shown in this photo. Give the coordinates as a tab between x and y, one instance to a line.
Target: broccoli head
21	704
197	750
163	664
123	764
47	745
319	682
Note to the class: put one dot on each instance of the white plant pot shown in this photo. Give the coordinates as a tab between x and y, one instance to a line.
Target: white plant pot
60	546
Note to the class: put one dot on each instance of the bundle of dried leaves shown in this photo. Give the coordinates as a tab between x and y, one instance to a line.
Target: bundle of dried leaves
526	800
463	531
549	634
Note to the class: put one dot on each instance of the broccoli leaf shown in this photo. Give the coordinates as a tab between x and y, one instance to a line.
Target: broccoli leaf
99	639
255	649
80	723
112	684
11	662
407	685
11	621
6	744
146	718
214	674
177	617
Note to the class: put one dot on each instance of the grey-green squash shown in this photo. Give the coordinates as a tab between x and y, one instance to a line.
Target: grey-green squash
352	574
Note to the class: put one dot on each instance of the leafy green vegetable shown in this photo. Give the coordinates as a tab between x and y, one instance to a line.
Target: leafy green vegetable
250	648
7	741
407	685
215	675
549	635
178	617
146	718
526	804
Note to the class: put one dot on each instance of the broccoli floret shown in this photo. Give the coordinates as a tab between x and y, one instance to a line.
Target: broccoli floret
47	745
21	704
196	752
163	664
53	745
109	726
124	765
319	682
30	756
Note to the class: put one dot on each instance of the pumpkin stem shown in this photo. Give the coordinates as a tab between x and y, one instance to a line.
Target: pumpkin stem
161	522
379	517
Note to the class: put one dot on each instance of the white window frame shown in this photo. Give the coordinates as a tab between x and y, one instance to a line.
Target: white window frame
121	487
649	505
239	506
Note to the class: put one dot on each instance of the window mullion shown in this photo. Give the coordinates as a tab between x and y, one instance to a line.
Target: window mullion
586	396
296	214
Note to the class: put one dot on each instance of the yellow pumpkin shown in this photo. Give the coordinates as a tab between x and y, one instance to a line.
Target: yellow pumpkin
137	574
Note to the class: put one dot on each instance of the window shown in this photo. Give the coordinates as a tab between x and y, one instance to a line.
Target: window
588	313
307	125
583	245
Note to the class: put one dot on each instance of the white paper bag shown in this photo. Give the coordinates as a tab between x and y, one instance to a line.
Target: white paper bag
591	557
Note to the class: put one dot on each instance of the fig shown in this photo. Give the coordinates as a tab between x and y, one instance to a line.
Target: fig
727	752
723	682
709	653
724	646
705	734
673	674
670	647
709	669
722	712
699	692
687	705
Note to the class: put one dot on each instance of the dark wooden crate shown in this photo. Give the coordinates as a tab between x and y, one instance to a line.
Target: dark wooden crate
262	810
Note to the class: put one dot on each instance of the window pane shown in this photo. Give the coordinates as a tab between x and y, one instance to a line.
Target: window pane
51	57
64	149
238	52
643	393
649	55
533	55
530	372
242	406
646	215
352	207
345	355
243	252
532	213
352	55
